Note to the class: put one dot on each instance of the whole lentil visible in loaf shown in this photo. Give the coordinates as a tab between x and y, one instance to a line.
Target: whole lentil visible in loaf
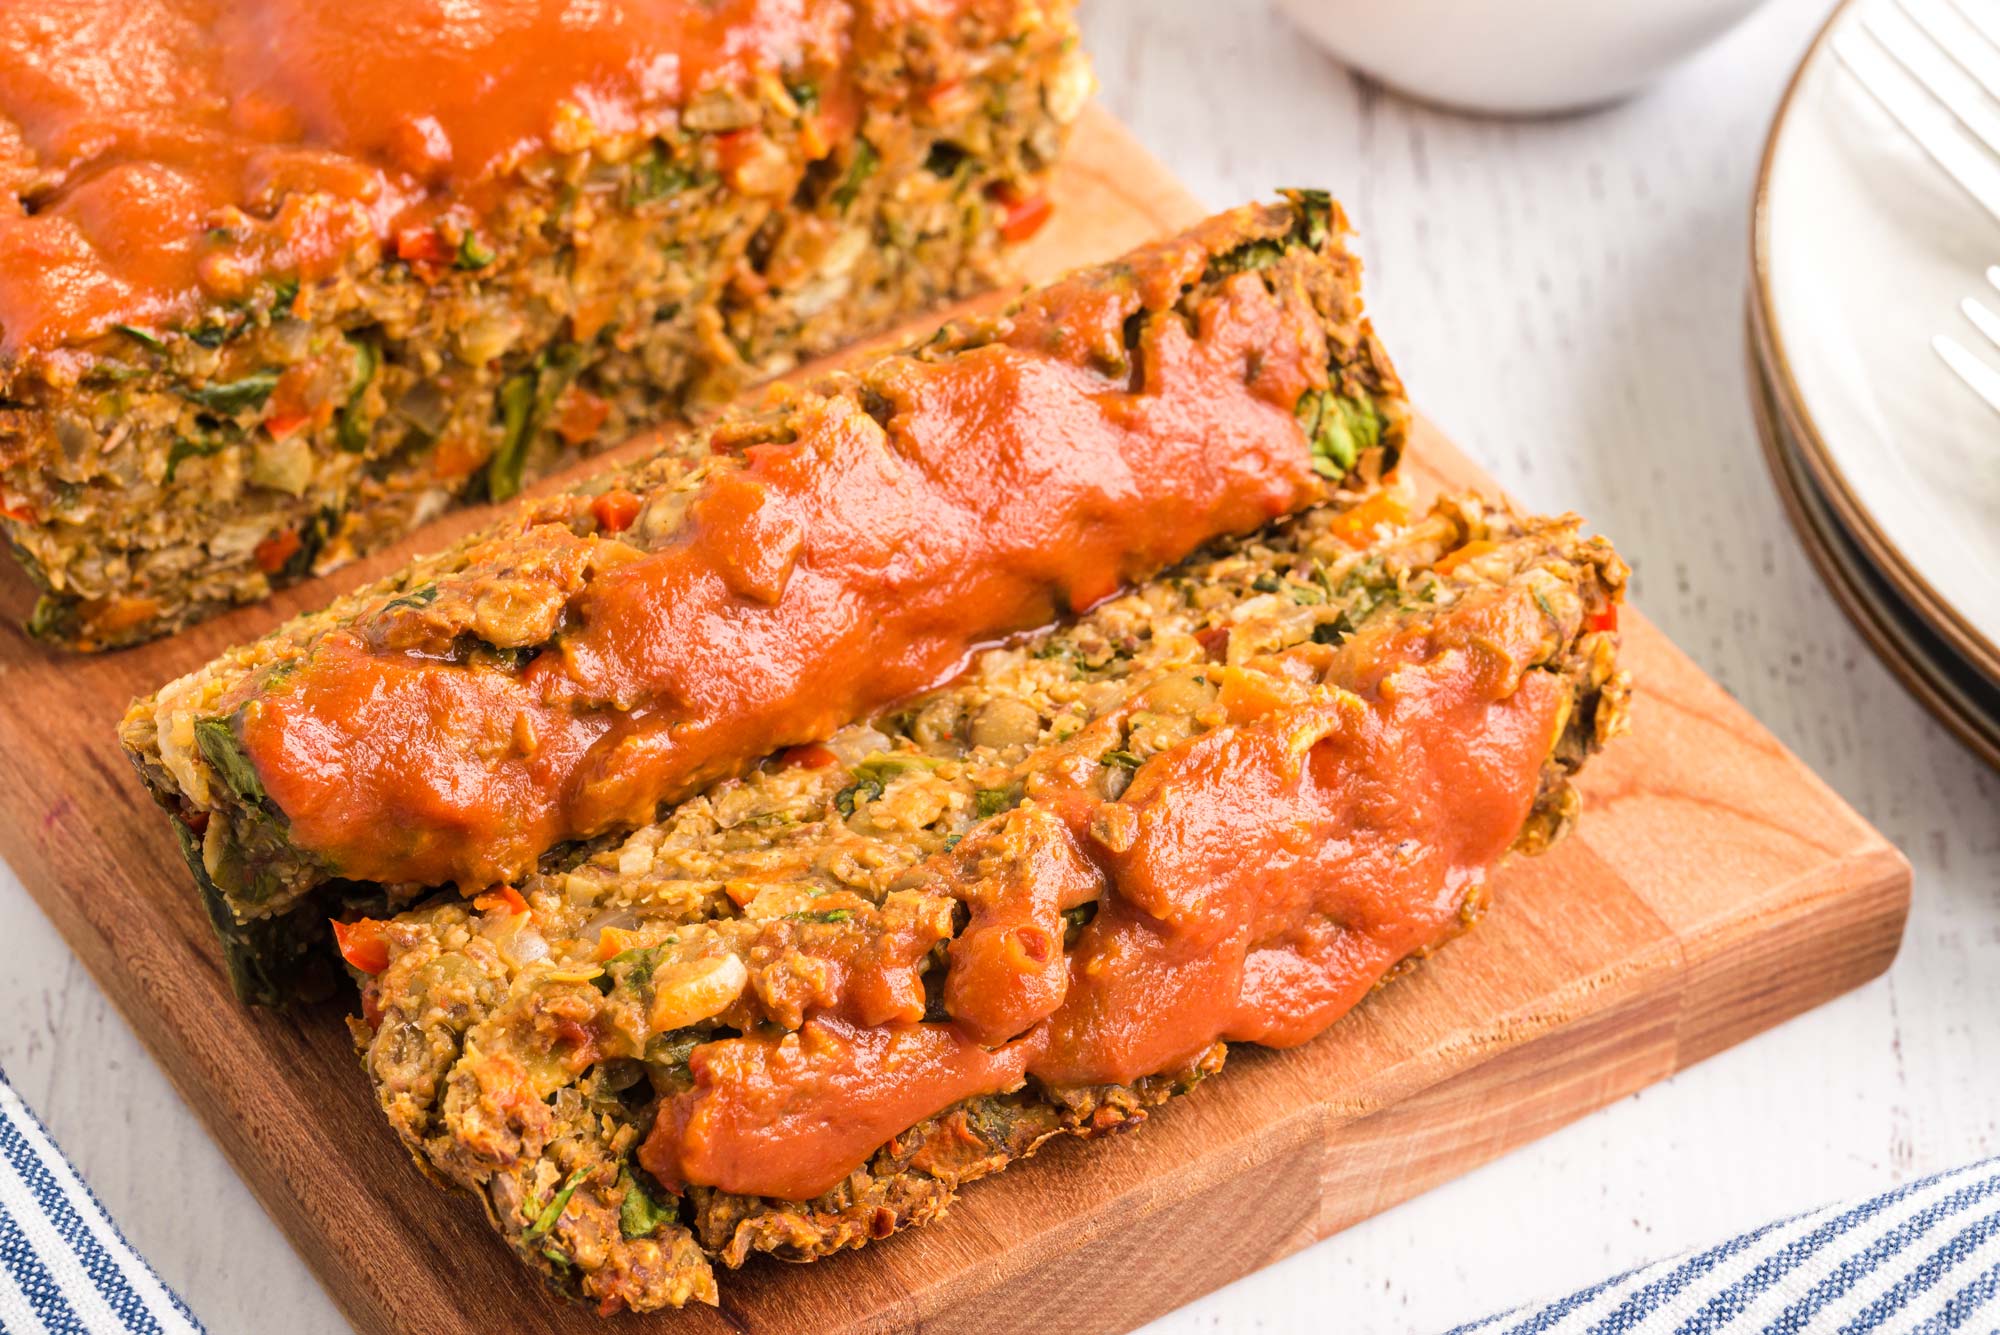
964	875
768	579
354	301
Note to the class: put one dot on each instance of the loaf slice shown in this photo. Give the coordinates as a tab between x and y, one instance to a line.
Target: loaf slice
801	1010
768	579
314	292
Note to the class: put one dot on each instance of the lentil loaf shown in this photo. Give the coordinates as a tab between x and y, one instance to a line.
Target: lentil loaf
802	1009
767	579
282	281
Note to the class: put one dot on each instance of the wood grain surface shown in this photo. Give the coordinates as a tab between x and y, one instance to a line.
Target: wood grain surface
1715	887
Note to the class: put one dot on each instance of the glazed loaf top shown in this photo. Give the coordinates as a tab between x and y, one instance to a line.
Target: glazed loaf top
781	574
166	157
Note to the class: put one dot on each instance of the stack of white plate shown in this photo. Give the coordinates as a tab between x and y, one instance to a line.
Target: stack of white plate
1864	252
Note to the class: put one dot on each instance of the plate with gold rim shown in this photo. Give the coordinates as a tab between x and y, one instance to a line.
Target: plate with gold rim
1862	249
1943	681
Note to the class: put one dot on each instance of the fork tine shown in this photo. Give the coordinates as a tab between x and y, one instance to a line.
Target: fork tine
1964	41
1983	319
1984	380
1926	122
1981	18
1915	52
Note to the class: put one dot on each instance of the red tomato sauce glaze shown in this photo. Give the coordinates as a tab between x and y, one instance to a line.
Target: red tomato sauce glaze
1251	885
154	153
984	492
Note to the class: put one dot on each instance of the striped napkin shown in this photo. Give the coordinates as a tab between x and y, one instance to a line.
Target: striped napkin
1922	1259
65	1269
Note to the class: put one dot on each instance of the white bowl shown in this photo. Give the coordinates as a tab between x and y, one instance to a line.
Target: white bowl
1516	56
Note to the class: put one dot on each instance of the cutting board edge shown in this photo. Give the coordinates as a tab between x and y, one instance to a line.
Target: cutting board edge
1871	886
1544	1082
329	1185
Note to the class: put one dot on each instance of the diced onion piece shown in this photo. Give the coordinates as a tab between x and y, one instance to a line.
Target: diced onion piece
688	991
525	947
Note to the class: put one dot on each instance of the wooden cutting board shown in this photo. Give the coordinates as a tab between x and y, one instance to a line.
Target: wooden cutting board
1715	887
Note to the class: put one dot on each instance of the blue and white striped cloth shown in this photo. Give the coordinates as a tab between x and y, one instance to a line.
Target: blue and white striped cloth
1920	1260
65	1269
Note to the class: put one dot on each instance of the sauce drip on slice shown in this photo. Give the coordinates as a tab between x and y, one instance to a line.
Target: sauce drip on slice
791	1116
1253	884
1272	872
824	578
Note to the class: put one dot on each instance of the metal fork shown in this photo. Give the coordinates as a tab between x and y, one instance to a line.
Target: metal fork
1934	65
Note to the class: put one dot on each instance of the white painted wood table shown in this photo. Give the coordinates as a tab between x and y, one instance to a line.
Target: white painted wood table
1566	298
